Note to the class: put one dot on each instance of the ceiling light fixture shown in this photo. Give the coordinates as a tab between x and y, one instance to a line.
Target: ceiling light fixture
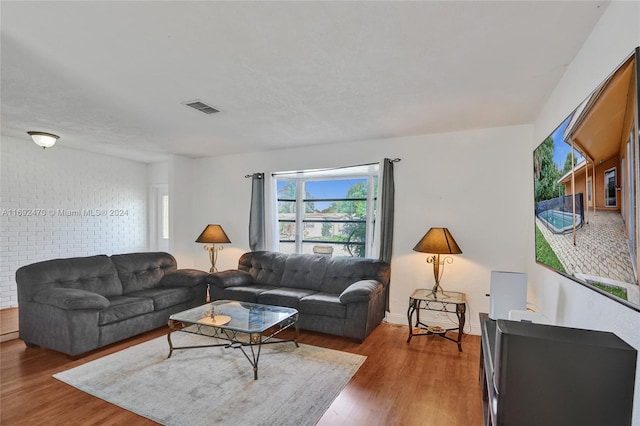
43	139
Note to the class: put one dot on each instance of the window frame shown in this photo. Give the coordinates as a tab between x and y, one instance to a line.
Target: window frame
347	173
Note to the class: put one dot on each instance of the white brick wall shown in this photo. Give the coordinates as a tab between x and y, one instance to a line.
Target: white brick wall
61	202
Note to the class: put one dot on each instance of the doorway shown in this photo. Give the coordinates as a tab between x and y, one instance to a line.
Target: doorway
159	218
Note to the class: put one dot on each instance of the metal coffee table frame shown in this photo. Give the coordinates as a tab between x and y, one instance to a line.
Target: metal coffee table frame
251	325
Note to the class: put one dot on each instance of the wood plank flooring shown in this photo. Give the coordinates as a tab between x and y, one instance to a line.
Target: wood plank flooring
8	324
426	382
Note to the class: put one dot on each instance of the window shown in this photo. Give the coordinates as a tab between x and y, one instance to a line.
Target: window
328	212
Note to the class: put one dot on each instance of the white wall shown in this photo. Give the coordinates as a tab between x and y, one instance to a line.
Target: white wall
472	182
183	201
158	173
568	303
74	198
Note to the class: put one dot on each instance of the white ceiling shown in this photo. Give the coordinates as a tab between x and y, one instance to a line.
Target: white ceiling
111	77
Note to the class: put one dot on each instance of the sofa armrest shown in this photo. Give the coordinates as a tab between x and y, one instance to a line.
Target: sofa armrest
183	278
361	291
230	278
71	299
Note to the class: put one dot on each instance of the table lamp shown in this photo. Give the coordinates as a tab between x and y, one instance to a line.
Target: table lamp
438	241
212	235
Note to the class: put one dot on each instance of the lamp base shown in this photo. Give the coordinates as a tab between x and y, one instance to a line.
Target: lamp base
434	293
213	256
438	270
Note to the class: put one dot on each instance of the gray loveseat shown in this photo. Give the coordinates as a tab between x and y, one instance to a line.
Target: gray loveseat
78	304
344	296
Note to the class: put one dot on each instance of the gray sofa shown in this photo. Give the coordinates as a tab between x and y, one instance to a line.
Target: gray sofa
78	304
344	296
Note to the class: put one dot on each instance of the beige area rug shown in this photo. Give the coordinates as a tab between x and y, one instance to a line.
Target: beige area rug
215	386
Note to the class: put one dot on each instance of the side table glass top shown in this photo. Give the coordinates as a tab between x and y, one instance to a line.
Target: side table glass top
245	317
442	296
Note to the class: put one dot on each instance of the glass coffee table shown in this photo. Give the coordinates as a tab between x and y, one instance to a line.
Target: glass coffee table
244	326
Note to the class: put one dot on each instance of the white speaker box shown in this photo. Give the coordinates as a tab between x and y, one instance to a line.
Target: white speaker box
527	316
508	292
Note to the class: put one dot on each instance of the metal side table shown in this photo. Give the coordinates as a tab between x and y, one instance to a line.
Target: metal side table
449	301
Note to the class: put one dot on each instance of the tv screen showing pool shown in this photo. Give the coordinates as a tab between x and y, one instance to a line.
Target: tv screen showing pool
585	190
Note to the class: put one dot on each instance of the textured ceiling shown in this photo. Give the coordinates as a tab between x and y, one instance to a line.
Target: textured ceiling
112	77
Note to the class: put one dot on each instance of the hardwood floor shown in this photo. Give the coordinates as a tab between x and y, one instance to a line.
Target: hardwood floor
426	382
8	324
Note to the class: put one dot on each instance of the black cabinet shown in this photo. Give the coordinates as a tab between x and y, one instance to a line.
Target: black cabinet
534	374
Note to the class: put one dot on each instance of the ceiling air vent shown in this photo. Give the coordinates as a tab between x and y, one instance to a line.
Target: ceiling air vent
201	106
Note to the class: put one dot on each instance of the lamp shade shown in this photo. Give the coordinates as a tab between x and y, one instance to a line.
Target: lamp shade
213	234
43	139
438	241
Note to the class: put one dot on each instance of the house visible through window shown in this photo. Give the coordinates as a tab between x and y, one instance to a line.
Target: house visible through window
328	212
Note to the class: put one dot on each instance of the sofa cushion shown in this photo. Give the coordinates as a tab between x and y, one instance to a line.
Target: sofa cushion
265	267
230	278
246	293
96	274
71	299
141	271
304	271
361	291
344	271
183	277
289	297
124	307
164	297
322	304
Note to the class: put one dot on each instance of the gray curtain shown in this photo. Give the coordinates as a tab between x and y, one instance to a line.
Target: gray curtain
386	215
256	214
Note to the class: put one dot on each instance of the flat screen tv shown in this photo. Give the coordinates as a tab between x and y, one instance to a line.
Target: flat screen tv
548	375
586	190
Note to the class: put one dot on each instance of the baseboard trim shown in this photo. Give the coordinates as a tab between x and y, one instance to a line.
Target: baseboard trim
9	336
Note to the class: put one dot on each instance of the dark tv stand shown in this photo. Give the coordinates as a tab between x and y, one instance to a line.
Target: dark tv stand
537	374
487	350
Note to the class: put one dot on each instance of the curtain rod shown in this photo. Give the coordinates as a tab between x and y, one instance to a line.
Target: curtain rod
395	160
